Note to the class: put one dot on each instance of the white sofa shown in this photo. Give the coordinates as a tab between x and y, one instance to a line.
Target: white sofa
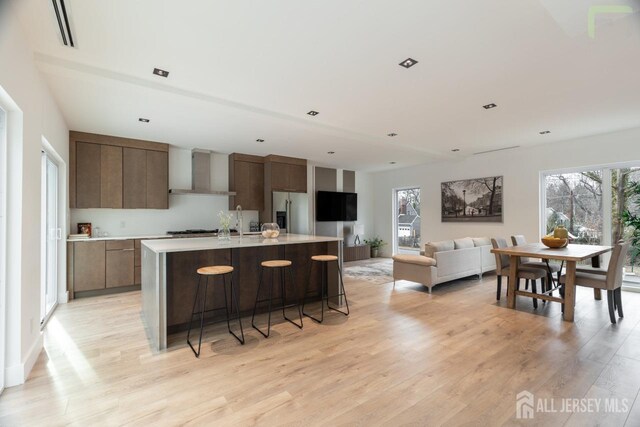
445	261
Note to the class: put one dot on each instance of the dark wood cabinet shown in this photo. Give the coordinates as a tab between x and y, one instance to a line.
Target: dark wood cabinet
89	268
298	178
134	178
88	175
286	174
112	172
282	173
110	177
157	180
279	176
246	178
120	266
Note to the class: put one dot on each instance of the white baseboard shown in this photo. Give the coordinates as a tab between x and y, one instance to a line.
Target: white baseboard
64	298
18	374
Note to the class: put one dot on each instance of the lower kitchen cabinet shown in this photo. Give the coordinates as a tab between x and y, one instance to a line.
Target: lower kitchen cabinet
104	266
120	267
89	266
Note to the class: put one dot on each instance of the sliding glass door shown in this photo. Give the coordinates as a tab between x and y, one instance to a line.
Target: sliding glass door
592	203
51	233
3	241
406	219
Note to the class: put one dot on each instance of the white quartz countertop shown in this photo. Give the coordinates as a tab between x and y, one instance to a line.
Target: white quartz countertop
138	237
208	243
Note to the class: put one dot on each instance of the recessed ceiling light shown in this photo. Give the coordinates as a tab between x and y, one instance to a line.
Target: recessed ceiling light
392	134
331	152
143	120
544	132
455	150
408	63
489	106
392	163
313	113
161	73
259	140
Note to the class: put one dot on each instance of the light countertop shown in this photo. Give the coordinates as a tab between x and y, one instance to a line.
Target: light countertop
208	243
136	237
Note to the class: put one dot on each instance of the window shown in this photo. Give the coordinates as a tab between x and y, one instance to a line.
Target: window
591	203
406	220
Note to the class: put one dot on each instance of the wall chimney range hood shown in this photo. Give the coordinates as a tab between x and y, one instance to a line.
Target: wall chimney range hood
201	176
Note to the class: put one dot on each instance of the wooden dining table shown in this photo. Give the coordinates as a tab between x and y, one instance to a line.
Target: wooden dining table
571	255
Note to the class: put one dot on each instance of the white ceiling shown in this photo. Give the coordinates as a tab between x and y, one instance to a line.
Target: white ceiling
242	70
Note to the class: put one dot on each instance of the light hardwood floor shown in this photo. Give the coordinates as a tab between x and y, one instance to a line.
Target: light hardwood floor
403	357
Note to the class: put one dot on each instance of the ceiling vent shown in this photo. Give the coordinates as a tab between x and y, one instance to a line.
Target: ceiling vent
497	149
64	26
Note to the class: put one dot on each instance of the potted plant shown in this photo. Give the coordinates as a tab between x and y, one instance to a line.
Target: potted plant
375	244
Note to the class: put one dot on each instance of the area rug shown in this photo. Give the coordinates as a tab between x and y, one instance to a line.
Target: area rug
378	272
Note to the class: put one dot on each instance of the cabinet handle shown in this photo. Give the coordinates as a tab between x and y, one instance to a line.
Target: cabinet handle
127	250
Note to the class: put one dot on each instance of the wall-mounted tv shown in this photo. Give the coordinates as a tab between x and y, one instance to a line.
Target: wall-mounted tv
334	206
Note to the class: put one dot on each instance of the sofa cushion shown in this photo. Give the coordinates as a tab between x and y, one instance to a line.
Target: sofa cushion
464	243
433	247
415	259
481	241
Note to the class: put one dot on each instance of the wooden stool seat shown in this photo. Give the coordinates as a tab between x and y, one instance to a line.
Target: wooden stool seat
276	263
215	270
324	258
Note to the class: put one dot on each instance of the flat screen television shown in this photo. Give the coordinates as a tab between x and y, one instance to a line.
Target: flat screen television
334	206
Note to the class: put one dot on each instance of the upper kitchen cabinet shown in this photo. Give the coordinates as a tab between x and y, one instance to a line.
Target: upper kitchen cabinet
111	172
157	180
87	176
285	174
246	178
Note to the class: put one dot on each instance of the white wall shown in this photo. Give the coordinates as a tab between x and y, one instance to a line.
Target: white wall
185	211
33	114
521	170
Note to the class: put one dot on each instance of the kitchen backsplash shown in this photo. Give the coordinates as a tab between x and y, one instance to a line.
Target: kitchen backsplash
185	212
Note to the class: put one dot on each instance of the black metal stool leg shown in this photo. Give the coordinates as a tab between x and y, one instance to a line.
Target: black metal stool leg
284	296
269	314
230	309
204	303
321	293
255	305
343	294
193	310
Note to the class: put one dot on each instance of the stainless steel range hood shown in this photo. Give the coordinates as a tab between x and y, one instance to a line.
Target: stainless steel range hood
201	176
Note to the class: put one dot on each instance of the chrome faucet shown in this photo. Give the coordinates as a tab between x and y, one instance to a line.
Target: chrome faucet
239	220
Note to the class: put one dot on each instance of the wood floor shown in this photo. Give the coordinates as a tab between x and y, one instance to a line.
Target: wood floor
403	357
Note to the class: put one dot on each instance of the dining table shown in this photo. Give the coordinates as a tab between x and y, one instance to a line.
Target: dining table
570	255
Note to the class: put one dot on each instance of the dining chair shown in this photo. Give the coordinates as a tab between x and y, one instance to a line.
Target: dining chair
519	240
528	273
611	281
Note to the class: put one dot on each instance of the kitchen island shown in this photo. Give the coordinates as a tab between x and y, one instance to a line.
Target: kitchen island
169	277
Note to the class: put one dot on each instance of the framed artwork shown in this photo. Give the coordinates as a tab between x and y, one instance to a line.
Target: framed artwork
472	200
84	228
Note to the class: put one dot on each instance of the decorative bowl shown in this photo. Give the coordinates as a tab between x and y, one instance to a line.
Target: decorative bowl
270	230
554	242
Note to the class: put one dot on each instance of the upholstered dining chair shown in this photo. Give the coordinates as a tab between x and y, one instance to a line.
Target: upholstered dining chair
528	273
519	240
611	281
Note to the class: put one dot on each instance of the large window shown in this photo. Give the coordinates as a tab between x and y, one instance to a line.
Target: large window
407	220
591	203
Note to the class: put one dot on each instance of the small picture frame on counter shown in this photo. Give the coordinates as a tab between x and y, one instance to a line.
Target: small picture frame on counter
84	228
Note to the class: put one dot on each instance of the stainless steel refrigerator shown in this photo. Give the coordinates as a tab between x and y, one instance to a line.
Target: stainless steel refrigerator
291	212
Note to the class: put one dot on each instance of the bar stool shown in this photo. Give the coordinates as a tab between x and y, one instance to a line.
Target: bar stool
207	272
281	265
324	286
